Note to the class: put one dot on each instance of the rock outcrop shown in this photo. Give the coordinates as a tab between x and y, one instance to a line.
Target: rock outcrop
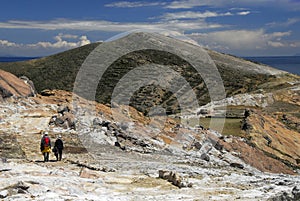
65	118
174	178
10	85
284	196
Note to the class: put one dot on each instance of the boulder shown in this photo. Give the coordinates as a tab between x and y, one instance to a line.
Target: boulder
65	118
4	92
47	92
174	178
69	118
59	121
197	145
30	83
4	194
219	146
163	174
18	188
10	85
97	122
205	157
237	165
202	111
296	192
120	144
281	197
62	108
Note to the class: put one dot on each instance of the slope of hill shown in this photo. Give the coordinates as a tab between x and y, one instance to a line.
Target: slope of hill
59	72
52	72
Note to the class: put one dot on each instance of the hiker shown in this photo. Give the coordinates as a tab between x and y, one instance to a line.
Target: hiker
58	148
46	146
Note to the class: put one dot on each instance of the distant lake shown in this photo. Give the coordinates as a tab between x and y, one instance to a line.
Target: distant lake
287	63
14	59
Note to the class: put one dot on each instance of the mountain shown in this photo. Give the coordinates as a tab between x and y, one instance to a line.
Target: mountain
59	72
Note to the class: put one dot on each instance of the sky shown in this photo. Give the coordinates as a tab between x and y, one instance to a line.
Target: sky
237	27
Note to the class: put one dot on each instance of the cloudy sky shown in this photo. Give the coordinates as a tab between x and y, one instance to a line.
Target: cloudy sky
238	27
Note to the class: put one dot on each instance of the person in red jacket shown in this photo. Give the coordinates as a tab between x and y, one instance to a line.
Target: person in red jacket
45	146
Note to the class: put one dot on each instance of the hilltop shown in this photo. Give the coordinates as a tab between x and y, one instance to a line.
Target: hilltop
59	72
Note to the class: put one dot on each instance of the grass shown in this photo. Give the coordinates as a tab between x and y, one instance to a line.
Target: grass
232	126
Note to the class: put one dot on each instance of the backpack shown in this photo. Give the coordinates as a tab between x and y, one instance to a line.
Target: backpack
46	141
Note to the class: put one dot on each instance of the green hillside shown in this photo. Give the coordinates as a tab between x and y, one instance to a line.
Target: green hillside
59	72
53	72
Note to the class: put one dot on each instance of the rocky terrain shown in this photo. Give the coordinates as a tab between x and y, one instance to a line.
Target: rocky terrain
134	153
117	163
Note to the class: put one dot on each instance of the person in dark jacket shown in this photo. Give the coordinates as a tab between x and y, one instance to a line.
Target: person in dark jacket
59	146
45	146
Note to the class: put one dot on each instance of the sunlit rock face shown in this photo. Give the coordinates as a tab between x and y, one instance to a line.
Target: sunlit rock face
10	85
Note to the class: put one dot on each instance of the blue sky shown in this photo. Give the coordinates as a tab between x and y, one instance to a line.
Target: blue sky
238	27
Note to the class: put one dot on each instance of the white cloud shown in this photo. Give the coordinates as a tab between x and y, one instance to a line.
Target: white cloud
240	9
189	4
193	15
198	15
295	44
275	44
43	47
86	25
242	39
128	4
280	34
60	43
83	41
70	36
292	21
244	13
7	43
288	22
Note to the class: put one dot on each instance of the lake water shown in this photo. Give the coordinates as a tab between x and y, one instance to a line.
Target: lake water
287	63
13	59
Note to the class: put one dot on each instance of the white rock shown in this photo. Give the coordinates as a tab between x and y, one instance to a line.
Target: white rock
4	194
